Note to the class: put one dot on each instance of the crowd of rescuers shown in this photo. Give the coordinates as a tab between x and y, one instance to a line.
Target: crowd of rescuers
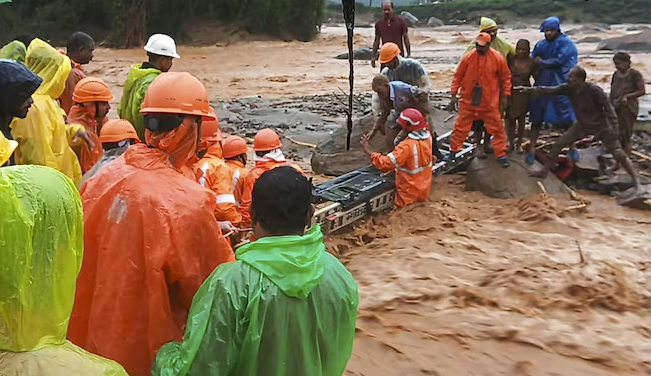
492	92
149	280
165	198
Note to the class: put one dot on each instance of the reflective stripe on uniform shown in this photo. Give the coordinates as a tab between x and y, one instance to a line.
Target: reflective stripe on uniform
236	179
226	199
204	172
417	169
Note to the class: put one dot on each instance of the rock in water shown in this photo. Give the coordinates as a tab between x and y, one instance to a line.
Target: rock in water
638	200
364	53
520	26
634	42
590	40
330	156
435	22
491	179
589	29
410	18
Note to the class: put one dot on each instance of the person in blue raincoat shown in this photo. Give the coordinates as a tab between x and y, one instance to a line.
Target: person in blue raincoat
556	55
285	307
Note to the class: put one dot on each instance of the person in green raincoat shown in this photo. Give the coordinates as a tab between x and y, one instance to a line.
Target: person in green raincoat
16	49
41	232
507	49
161	51
285	307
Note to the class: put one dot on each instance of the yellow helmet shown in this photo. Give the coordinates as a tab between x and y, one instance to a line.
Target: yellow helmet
7	148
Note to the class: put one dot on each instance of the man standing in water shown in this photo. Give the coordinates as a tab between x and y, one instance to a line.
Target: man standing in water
391	29
506	49
595	116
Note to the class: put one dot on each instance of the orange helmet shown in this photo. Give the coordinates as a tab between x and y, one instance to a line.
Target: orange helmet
177	93
116	131
266	140
234	146
210	129
412	120
388	52
91	89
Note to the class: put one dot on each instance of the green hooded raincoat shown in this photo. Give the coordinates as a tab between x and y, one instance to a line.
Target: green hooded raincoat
286	307
135	87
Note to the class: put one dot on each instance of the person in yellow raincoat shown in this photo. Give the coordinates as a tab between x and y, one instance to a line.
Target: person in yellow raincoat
41	230
161	51
507	50
43	136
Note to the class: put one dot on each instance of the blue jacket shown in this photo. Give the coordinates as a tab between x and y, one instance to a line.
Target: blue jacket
558	57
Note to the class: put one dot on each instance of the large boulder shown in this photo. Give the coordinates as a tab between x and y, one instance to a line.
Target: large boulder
435	22
364	53
589	29
409	18
590	40
331	157
520	26
634	42
491	179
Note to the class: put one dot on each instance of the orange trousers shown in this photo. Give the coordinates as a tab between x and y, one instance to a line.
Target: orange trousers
494	126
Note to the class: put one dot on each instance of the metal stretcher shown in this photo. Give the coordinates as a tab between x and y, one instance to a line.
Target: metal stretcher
351	197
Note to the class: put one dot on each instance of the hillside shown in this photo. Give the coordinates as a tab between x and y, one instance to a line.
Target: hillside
606	11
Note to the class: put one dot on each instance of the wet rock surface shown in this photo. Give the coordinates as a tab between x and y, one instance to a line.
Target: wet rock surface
435	22
634	42
364	53
520	26
588	29
590	40
490	178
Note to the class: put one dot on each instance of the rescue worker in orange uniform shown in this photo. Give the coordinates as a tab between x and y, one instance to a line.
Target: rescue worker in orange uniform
479	76
91	98
116	136
80	50
266	145
150	234
411	159
234	154
212	173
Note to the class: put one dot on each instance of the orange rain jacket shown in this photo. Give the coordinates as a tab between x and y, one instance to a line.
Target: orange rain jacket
76	75
86	116
249	182
488	71
151	239
238	175
412	160
213	173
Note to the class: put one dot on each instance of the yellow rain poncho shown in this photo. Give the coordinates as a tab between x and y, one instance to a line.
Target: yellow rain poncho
41	237
14	50
500	44
43	136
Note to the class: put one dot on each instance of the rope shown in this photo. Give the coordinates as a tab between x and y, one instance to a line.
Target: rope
349	17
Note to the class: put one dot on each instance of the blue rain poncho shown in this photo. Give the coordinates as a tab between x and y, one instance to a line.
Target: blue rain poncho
285	307
558	57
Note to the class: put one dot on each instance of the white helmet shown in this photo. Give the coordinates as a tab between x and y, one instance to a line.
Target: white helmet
163	45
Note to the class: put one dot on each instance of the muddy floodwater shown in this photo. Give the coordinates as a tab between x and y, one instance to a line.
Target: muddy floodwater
463	284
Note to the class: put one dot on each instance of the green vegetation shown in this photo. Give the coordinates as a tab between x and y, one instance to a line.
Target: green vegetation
127	23
605	11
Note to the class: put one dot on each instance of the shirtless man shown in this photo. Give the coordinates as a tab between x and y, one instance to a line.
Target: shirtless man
595	116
